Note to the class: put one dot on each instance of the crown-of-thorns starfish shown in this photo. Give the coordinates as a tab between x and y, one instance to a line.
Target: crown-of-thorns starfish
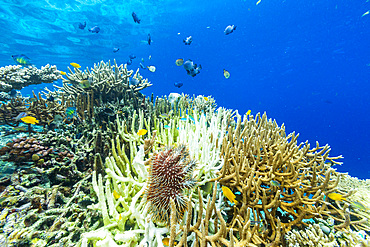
169	174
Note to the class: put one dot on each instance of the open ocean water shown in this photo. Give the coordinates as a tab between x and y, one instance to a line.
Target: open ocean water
305	63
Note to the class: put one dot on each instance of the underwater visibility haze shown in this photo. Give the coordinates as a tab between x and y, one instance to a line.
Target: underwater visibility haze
305	64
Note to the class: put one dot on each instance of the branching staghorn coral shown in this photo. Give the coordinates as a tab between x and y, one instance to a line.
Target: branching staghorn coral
18	77
278	180
107	82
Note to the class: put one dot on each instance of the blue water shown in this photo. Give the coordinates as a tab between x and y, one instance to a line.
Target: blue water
307	64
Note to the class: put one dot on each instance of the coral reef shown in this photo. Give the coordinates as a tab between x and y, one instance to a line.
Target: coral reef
18	77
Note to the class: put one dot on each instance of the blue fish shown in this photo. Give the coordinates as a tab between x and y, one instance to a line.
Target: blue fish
129	62
149	39
70	112
115	49
82	25
178	84
167	127
95	29
134	81
229	29
142	66
22	60
20	115
132	56
136	19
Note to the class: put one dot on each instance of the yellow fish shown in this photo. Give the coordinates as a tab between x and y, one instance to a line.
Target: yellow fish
249	112
142	132
226	74
336	197
116	195
258	2
166	241
205	98
76	65
229	194
151	68
179	62
29	120
63	73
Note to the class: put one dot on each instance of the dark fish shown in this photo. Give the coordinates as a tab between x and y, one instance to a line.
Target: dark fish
132	56
136	19
149	39
115	49
95	29
82	25
13	93
188	40
229	29
85	203
129	62
142	66
178	84
50	98
22	60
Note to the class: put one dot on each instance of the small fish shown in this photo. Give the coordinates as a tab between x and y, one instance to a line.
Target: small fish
134	81
275	183
164	115
132	56
142	60
229	29
149	39
75	65
258	2
115	49
248	112
70	111
188	40
50	98
336	197
116	195
30	120
358	205
20	128
366	13
13	93
150	57
167	127
205	98
179	62
85	203
178	84
142	132
62	73
183	119
85	83
94	29
20	115
226	74
166	242
238	193
82	25
136	18
151	68
22	60
129	62
207	187
142	66
229	194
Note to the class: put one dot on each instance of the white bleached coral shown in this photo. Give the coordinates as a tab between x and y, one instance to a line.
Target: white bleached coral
17	77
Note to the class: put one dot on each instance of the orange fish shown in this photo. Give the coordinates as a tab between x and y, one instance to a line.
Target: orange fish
142	132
